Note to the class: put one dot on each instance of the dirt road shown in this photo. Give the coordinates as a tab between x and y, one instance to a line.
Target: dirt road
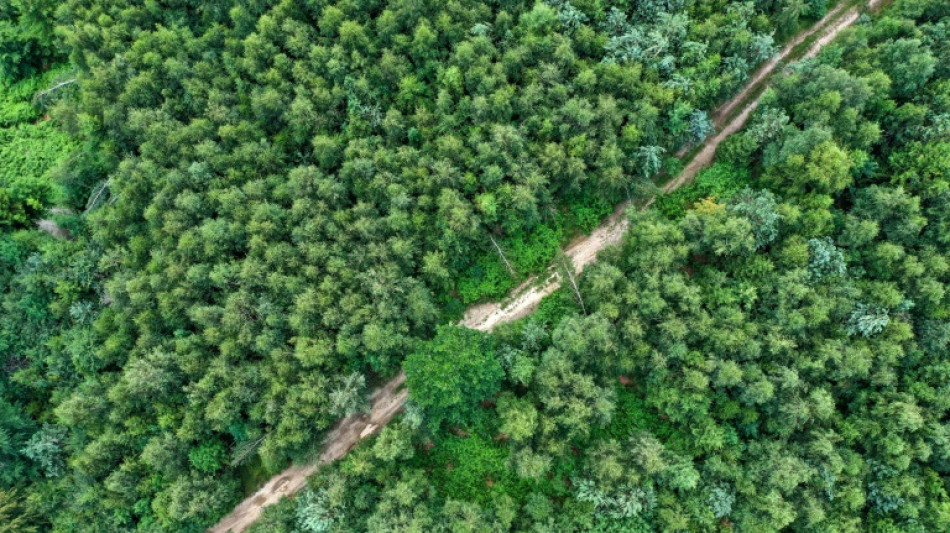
726	119
385	403
387	400
529	294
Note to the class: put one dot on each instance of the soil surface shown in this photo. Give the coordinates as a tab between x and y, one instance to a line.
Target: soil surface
388	399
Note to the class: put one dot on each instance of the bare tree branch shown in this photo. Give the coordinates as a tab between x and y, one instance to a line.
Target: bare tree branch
244	450
511	270
566	266
46	92
96	196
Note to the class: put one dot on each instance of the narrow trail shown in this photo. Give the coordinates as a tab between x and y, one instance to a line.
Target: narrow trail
707	155
724	111
52	227
387	401
384	404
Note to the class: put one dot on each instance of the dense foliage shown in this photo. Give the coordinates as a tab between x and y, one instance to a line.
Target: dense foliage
31	149
777	359
27	42
277	200
453	372
271	203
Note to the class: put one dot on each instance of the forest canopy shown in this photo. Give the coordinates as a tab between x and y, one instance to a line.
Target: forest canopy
767	351
294	194
251	212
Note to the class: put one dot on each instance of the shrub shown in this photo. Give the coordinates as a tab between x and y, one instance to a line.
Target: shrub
720	181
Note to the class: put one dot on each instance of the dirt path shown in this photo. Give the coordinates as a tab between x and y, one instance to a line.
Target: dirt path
723	112
848	19
705	157
388	400
54	229
528	295
385	403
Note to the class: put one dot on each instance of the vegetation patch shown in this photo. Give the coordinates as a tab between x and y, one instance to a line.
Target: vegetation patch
717	183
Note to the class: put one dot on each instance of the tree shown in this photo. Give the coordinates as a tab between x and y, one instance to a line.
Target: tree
15	515
192	498
208	457
400	507
827	261
448	375
22	202
762	47
822	168
45	448
626	501
896	213
767	124
759	207
700	127
791	14
867	320
909	64
519	418
650	160
27	41
350	396
315	514
716	231
394	443
571	18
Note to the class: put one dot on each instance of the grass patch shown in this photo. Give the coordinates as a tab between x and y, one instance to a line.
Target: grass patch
30	145
634	415
474	469
30	151
555	307
720	182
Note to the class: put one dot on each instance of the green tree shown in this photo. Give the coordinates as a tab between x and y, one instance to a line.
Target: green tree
208	457
23	201
909	63
15	515
449	375
45	448
350	396
27	41
759	207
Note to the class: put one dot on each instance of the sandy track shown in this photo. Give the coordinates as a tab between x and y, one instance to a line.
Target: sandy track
848	19
54	229
584	251
707	155
385	403
728	122
722	115
388	399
